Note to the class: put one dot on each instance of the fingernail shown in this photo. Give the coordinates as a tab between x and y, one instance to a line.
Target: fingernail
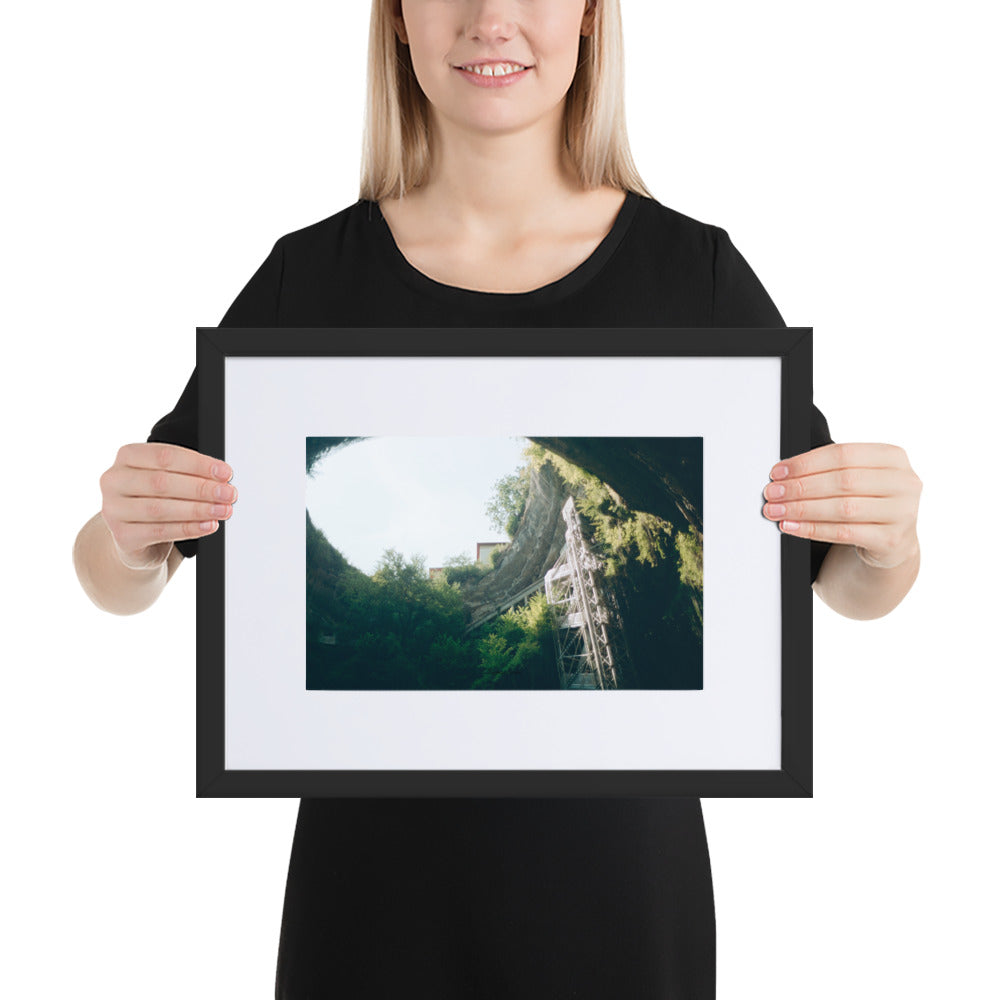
207	525
774	492
775	509
790	525
779	472
222	471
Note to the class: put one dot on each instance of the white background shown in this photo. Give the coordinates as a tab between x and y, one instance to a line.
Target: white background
155	153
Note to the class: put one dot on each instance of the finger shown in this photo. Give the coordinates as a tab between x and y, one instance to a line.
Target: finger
131	536
175	485
873	510
153	455
143	510
841	482
865	536
841	456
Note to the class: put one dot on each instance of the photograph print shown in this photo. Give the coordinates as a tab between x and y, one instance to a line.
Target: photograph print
504	563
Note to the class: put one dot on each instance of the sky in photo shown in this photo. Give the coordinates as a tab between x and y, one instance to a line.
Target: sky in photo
421	495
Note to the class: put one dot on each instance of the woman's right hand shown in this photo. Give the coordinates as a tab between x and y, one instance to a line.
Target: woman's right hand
156	494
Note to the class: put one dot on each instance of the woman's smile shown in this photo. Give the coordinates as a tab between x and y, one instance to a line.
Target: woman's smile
495	74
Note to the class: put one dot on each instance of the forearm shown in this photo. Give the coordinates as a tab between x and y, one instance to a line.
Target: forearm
856	590
107	581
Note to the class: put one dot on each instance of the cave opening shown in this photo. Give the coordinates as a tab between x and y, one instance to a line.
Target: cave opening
499	630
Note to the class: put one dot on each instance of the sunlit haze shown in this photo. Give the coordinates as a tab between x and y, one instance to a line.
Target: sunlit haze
421	495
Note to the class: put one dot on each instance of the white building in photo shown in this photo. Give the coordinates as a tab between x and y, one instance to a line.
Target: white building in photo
483	550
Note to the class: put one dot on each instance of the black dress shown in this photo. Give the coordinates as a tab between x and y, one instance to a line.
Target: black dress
588	899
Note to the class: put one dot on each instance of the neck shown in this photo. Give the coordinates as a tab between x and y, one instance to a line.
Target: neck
499	182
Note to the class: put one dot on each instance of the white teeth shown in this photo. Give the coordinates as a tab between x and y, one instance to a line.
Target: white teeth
498	69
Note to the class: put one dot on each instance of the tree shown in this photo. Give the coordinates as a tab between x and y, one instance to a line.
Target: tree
406	579
515	649
510	495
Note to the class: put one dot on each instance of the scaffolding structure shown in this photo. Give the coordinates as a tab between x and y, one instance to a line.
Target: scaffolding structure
584	628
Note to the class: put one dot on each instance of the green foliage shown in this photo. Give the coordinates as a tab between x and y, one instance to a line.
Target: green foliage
317	448
497	555
535	617
379	632
689	558
331	582
619	533
468	573
510	496
397	629
393	570
517	647
495	662
462	569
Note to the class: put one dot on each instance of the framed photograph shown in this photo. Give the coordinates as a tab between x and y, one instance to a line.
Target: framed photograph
503	562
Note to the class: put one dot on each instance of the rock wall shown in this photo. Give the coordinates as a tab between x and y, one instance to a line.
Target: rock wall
534	548
662	476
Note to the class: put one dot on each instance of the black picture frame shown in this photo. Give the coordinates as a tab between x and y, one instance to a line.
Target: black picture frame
793	778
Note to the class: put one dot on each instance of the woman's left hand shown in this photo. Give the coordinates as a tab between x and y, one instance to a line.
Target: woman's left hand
865	495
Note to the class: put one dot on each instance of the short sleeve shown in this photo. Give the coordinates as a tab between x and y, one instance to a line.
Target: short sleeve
738	297
738	300
257	305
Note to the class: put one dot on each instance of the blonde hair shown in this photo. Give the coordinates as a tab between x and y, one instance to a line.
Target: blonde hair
396	150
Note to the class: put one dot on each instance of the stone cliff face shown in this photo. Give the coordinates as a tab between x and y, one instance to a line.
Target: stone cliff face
662	476
534	548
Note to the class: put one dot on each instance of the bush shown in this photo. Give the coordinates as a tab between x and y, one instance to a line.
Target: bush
620	534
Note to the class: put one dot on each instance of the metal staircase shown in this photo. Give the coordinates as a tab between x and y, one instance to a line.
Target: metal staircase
584	633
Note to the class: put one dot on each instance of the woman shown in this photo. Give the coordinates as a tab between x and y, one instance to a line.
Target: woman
501	197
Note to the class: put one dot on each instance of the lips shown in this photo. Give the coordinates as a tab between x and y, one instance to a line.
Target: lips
482	80
492	62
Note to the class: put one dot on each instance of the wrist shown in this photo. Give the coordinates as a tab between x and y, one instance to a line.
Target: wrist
142	561
888	562
145	561
107	581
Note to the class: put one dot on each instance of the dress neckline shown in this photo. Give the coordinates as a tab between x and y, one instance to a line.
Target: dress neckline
569	283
